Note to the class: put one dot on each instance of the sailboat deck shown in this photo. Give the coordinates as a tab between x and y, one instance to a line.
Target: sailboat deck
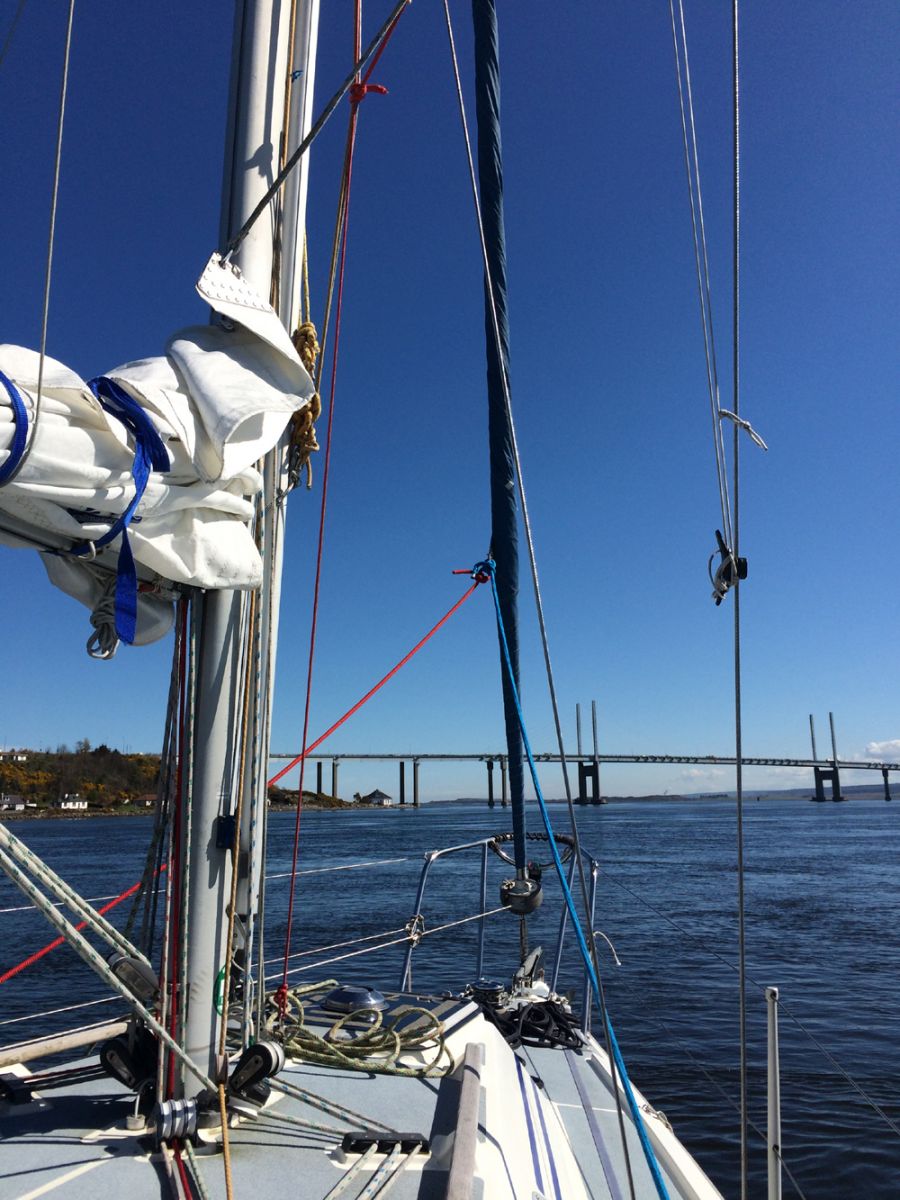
555	1106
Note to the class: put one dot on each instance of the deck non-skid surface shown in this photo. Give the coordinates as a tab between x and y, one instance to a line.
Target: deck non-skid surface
74	1142
577	1090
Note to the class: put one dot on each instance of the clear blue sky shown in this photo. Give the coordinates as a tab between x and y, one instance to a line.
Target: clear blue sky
607	369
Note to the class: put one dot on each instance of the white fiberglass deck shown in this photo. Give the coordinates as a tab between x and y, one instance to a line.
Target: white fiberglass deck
537	1123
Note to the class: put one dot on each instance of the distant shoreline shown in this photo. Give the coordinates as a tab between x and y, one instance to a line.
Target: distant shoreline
333	804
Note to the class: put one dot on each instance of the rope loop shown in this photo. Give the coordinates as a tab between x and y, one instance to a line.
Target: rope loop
104	641
359	91
482	572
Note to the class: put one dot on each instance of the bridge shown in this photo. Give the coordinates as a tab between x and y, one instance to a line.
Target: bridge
824	770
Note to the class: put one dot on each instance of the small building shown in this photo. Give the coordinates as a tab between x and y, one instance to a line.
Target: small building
9	803
377	798
72	800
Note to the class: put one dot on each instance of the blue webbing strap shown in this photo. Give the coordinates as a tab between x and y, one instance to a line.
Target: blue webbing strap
149	455
662	1191
20	434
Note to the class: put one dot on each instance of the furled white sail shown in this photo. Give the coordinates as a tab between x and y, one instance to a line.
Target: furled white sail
218	400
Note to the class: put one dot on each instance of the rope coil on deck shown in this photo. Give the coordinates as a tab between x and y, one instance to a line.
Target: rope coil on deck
379	1047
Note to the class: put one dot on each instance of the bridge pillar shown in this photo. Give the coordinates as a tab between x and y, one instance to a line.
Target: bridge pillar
504	782
402	781
415	783
828	775
490	771
588	772
319	777
334	777
884	776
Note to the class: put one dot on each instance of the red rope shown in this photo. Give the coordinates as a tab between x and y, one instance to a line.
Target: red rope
358	91
371	692
348	169
38	954
185	1182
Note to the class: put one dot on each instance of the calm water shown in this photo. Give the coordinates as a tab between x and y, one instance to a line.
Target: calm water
823	911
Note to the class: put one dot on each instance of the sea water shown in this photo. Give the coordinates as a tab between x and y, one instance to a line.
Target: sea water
822	921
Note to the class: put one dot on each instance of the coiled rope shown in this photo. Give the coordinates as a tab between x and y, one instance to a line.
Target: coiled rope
378	1047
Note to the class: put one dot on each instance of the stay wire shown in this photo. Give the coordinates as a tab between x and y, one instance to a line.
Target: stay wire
10	33
341	259
738	737
374	48
701	258
703	942
57	165
489	288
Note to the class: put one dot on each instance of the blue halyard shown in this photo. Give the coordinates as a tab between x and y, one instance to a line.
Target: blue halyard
488	568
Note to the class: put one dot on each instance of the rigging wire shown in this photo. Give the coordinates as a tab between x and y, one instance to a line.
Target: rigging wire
57	164
738	733
7	41
339	263
375	48
701	256
703	943
517	462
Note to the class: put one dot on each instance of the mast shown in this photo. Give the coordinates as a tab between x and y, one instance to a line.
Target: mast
504	507
261	35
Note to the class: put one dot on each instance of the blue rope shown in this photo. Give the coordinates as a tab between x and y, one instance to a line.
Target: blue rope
487	568
149	455
20	432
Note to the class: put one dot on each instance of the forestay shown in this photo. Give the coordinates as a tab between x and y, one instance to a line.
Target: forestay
192	424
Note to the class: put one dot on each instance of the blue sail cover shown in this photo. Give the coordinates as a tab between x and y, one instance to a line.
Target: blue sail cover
504	507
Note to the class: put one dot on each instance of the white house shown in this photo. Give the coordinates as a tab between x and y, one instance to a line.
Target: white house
73	800
378	798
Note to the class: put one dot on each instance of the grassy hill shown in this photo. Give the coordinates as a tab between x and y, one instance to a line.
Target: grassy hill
103	777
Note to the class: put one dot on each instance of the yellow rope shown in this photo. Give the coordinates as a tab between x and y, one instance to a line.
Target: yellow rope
226	1148
303	423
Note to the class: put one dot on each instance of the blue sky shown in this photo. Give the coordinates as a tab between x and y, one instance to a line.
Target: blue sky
607	370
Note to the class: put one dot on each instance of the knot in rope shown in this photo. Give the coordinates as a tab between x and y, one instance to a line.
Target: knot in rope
303	423
415	928
104	641
359	91
306	343
280	1000
481	572
726	414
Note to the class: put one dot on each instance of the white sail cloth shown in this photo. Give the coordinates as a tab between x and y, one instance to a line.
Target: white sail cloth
219	400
